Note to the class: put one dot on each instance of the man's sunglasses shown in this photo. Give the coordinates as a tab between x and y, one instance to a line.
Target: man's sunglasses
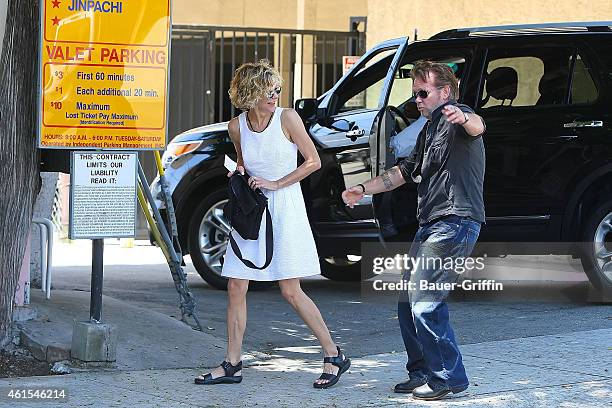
424	93
277	91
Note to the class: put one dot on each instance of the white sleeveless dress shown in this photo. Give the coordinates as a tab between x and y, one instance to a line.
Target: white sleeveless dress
270	155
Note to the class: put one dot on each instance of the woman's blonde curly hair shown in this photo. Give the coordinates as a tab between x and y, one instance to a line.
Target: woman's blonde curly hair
250	83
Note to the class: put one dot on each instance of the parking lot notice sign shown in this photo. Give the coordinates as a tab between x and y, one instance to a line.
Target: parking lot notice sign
103	195
104	74
348	61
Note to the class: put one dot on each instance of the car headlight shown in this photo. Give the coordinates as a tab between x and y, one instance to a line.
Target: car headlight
176	150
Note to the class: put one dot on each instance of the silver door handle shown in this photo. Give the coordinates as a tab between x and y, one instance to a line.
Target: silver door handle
355	133
583	124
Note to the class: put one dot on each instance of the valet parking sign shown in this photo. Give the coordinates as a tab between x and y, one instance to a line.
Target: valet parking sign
104	74
104	87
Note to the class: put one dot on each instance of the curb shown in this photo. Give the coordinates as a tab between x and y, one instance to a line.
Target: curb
42	350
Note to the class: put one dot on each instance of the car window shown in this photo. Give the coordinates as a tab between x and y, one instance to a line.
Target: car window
583	86
512	82
604	54
401	90
363	90
518	78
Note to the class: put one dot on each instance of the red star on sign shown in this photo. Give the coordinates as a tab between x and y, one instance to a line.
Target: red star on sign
56	3
55	20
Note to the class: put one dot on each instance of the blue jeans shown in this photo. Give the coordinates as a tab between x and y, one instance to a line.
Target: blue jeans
433	353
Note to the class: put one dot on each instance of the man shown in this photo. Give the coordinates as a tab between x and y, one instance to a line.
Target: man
448	164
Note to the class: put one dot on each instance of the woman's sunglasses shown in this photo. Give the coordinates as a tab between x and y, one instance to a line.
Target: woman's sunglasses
277	91
424	93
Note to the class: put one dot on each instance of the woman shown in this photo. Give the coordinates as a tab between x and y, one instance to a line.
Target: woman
267	139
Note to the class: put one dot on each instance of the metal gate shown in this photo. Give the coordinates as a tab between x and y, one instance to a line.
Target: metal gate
204	58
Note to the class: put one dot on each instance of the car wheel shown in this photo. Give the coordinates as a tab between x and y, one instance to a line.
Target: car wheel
596	254
342	269
208	240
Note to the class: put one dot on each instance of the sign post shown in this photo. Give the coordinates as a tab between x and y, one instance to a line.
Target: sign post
103	88
102	204
97	277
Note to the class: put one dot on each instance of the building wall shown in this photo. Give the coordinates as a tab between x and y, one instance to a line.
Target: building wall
288	14
390	19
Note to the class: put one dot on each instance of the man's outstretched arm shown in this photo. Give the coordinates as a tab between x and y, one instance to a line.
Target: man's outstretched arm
387	181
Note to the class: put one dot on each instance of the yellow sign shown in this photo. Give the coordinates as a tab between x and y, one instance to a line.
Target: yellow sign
104	74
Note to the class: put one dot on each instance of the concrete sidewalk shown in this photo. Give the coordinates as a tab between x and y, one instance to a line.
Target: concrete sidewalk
569	370
146	339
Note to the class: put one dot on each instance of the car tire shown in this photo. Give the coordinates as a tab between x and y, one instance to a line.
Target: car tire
209	229
596	250
342	269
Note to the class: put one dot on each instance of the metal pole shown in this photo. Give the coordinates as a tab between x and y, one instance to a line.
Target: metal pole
335	59
97	276
301	65
323	87
232	110
291	70
314	67
278	58
244	47
256	46
221	88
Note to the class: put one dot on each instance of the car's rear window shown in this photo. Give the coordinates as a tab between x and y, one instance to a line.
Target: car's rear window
538	76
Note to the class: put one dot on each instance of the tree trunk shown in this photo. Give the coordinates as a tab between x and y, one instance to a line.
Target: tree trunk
19	162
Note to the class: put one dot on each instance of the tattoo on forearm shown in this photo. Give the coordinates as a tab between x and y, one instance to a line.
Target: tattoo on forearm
386	178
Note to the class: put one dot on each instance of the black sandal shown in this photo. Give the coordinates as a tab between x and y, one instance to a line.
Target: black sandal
228	378
339	361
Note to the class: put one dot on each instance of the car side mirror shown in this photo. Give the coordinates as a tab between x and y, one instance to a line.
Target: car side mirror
307	109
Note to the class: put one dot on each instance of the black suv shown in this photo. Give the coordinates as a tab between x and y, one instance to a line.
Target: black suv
545	92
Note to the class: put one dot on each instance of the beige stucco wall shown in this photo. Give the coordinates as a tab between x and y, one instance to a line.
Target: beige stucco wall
386	18
389	19
292	14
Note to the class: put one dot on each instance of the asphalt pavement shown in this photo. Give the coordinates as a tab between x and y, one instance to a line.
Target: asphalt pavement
363	324
536	343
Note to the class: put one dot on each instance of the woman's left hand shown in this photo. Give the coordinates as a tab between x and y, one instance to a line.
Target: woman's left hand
258	182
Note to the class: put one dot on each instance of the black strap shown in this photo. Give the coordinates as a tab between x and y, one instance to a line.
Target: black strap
338	360
269	245
230	369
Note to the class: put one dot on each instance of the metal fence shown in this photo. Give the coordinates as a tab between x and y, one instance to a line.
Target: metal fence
204	58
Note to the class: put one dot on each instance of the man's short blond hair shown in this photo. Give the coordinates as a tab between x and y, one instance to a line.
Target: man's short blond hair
442	74
251	82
